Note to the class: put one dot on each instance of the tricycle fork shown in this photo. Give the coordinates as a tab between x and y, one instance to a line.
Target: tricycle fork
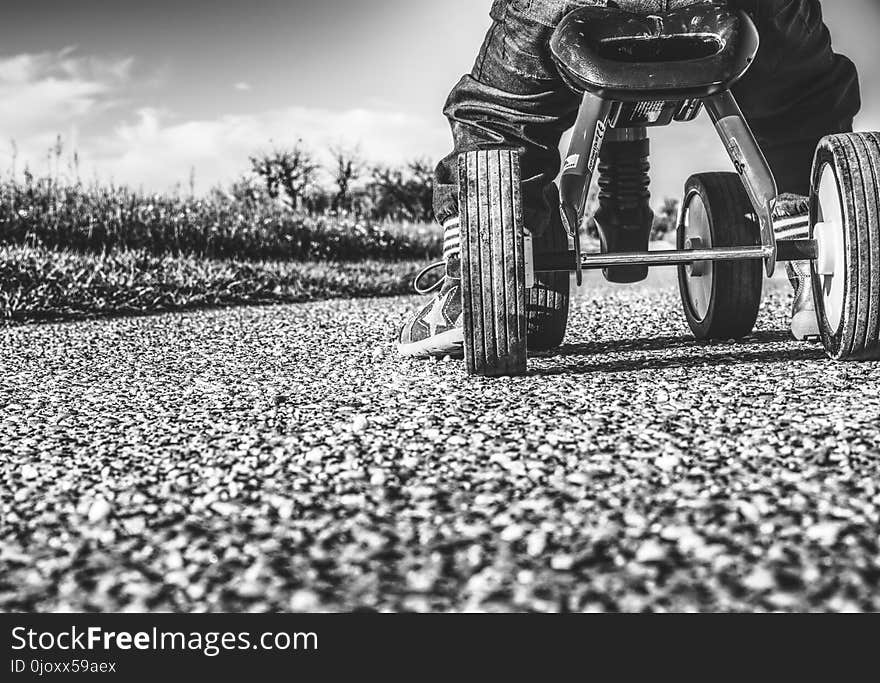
751	164
579	166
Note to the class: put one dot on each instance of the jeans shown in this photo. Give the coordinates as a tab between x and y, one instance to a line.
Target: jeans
797	91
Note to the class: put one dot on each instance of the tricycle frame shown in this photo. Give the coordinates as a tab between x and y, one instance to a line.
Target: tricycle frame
593	122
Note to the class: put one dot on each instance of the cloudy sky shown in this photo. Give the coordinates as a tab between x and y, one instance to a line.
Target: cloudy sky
145	91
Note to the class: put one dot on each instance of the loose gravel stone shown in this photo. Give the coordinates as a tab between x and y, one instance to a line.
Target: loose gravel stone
99	510
284	459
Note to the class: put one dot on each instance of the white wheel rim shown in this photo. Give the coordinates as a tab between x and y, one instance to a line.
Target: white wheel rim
829	233
699	286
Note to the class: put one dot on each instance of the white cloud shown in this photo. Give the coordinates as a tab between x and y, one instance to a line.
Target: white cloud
51	93
43	95
241	85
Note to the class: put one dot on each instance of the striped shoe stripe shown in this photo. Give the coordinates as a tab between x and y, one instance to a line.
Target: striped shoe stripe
784	223
803	227
800	235
792	228
451	238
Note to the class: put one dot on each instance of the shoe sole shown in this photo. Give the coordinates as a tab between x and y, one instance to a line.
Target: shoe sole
805	326
450	343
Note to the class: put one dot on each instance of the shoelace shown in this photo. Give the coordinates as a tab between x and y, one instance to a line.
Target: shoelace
799	277
422	273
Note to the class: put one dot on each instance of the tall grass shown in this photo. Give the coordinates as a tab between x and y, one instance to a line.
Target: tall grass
39	284
98	219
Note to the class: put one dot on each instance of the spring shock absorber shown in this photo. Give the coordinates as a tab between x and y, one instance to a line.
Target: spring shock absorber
624	218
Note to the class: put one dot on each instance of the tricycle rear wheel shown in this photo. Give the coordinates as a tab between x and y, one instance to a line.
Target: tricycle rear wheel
721	299
547	303
845	222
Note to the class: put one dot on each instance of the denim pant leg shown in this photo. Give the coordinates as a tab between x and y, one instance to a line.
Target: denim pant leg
513	98
798	89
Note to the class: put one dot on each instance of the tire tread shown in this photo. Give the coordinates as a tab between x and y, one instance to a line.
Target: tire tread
549	300
493	268
855	160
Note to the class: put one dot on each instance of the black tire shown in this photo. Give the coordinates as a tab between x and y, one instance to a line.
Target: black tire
547	303
732	305
492	263
854	159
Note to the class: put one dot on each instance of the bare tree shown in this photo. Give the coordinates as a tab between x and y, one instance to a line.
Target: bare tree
349	167
421	187
666	222
287	173
388	189
403	194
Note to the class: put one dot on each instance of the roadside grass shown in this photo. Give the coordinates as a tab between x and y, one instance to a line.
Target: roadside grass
41	284
220	225
75	250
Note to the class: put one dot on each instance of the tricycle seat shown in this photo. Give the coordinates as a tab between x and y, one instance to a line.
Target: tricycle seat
691	52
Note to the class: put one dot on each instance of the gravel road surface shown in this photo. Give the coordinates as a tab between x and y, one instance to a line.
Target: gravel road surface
283	458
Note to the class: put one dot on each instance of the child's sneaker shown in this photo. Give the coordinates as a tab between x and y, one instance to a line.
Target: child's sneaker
792	221
804	320
436	330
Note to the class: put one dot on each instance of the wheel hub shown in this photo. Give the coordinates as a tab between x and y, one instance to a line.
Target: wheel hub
828	233
700	275
827	238
697	268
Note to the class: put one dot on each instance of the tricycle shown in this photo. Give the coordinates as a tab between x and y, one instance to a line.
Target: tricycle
637	72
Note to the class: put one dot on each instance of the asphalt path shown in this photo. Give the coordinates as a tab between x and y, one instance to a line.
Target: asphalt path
283	458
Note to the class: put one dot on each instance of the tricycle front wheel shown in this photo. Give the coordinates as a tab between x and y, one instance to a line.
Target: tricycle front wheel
493	263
